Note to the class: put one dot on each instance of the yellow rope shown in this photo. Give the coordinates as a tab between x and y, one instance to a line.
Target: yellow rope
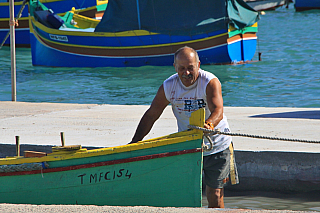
232	170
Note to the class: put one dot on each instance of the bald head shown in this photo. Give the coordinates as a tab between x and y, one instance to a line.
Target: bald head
187	52
187	64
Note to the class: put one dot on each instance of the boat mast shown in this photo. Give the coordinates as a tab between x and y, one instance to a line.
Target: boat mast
138	12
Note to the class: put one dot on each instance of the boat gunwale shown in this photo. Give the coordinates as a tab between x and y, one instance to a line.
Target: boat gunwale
129	33
83	153
196	118
85	48
103	163
7	3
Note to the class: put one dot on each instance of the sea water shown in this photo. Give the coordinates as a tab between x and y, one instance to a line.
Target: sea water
287	76
308	201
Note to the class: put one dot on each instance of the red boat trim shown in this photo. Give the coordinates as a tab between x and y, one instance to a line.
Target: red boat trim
105	163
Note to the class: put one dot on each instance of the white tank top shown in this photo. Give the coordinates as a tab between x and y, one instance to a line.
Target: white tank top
185	100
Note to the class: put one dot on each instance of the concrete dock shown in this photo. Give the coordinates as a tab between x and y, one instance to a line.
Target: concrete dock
262	164
112	125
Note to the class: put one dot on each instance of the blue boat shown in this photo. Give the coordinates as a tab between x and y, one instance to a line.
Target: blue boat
302	5
262	5
135	33
22	31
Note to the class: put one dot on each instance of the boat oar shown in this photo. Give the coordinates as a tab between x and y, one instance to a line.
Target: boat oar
18	16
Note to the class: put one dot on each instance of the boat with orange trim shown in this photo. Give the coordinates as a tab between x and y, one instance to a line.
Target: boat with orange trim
142	32
263	5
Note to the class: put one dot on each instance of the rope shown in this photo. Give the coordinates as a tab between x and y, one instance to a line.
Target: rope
15	22
207	148
23	167
214	132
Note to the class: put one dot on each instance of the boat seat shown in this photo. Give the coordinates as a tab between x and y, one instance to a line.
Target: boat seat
48	19
32	154
66	148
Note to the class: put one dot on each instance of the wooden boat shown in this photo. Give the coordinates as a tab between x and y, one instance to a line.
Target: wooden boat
165	171
302	5
262	5
22	31
148	33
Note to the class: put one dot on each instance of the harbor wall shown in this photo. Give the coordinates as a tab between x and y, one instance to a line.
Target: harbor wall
277	171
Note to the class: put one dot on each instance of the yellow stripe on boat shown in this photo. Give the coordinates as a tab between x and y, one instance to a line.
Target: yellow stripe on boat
63	155
84	22
73	33
20	19
7	3
196	119
103	34
232	28
99	2
127	33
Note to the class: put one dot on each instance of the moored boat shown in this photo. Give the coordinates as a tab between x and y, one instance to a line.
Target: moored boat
148	33
303	5
165	171
22	30
262	5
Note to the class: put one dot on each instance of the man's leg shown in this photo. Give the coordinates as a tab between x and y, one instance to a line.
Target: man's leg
215	197
217	168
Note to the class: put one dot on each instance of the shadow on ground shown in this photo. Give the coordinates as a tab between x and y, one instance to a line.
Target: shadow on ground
315	114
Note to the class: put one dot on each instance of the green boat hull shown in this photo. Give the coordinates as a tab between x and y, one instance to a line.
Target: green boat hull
160	172
163	181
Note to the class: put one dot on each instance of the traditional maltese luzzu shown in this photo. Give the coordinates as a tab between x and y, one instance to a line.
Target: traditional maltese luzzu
165	171
143	32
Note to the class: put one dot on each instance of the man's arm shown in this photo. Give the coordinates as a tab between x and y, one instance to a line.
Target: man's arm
158	104
215	102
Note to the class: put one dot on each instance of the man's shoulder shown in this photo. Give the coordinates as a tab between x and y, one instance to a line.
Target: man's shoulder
206	74
173	77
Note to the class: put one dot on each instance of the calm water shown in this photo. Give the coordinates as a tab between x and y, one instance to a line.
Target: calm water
287	76
309	201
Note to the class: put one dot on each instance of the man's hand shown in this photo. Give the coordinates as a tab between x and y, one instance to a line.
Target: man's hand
209	125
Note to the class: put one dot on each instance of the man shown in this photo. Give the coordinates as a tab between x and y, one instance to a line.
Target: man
190	89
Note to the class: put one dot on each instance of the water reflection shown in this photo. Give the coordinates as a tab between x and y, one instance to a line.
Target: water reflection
308	201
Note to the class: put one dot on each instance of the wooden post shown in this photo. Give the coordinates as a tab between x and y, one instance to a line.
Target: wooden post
259	56
62	138
13	51
17	145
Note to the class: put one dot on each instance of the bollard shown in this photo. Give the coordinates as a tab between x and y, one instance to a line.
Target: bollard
260	56
62	138
17	145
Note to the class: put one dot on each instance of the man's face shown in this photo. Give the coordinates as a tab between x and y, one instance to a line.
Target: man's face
187	67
